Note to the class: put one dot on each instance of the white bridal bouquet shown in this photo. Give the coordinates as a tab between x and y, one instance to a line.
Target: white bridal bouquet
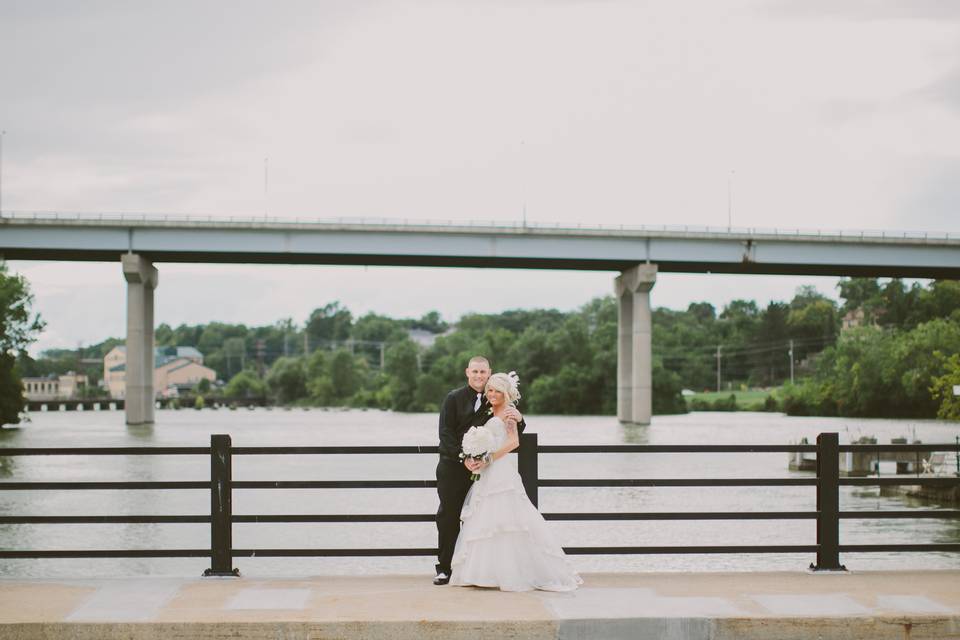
477	443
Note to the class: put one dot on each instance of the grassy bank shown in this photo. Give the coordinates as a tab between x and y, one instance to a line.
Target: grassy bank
750	400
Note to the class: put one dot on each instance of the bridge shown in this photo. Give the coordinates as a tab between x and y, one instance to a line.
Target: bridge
638	253
686	249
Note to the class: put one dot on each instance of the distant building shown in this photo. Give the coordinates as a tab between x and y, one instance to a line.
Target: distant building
853	318
422	337
54	387
174	369
858	318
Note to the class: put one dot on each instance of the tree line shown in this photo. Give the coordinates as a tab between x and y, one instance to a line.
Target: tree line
900	360
903	360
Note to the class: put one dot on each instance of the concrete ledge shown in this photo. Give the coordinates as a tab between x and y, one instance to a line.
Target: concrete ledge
614	629
286	630
714	606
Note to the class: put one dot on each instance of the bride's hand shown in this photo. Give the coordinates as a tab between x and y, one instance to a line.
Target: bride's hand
512	414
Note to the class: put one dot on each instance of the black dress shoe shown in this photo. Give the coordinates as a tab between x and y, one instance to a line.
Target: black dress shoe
442	578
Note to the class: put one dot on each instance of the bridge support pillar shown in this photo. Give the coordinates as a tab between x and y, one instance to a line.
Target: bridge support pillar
141	277
634	353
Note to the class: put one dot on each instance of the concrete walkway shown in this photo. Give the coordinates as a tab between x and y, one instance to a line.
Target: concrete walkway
874	605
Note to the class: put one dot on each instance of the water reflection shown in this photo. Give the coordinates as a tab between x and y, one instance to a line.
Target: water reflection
8	438
636	434
141	432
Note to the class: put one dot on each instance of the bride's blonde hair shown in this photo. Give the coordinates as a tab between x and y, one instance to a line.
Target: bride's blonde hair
505	385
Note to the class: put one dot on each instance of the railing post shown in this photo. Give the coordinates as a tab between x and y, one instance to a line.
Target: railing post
828	503
221	508
527	465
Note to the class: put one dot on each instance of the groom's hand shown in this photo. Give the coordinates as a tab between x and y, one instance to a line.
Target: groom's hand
512	413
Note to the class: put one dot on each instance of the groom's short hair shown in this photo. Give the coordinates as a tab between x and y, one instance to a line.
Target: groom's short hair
478	360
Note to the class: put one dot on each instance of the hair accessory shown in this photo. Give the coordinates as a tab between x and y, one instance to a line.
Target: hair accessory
515	383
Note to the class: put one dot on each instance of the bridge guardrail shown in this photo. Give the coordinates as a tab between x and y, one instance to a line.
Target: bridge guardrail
426	224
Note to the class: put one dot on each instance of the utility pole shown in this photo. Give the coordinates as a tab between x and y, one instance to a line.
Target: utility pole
523	183
261	352
2	133
730	200
791	360
719	358
306	342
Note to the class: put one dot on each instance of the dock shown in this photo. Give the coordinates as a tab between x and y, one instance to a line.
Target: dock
866	462
664	606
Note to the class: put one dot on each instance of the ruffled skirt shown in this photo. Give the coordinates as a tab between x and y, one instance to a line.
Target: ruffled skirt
504	541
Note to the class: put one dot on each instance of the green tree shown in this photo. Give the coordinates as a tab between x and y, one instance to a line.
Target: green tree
245	385
288	336
858	293
163	335
430	392
877	372
562	392
376	328
333	378
287	380
319	386
940	300
18	328
11	390
235	353
600	315
402	372
666	391
917	365
372	329
702	311
330	323
684	341
770	364
445	361
430	321
898	304
739	323
345	376
943	386
812	322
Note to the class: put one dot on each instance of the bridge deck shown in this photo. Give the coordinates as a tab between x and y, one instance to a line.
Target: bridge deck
459	244
873	605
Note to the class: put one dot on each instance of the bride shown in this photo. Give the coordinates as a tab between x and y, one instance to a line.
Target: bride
504	541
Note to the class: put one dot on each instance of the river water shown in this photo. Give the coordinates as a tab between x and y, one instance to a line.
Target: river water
261	427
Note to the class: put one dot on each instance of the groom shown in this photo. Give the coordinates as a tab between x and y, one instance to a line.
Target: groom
462	408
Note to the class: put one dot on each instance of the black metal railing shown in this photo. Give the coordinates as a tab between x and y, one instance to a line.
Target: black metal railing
221	552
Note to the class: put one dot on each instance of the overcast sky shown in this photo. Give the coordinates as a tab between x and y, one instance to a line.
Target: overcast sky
813	113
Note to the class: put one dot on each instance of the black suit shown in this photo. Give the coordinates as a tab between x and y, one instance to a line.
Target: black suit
453	478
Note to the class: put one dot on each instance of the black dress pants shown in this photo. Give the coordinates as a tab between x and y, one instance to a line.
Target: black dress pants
453	482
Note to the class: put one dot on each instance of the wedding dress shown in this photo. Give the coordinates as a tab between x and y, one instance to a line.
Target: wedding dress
504	541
